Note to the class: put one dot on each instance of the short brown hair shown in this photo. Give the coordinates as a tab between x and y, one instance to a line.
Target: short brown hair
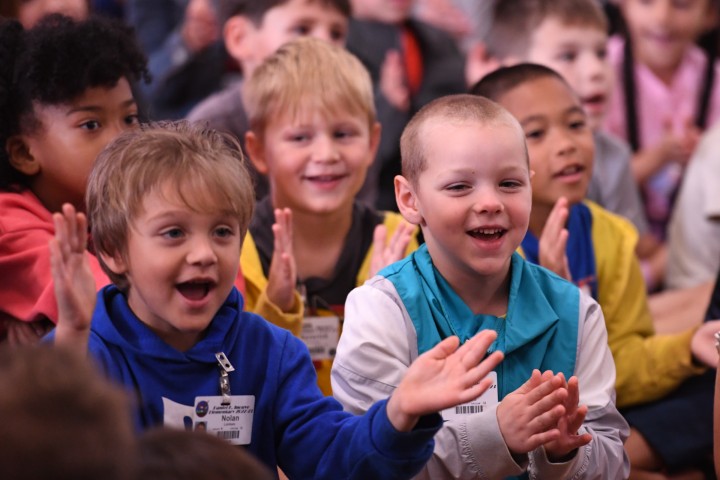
255	10
497	83
206	167
171	454
61	419
458	108
514	22
308	72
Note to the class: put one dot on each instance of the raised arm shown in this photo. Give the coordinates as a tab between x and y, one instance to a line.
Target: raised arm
74	281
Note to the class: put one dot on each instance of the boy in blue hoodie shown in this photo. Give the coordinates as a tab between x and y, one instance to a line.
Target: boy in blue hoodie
169	206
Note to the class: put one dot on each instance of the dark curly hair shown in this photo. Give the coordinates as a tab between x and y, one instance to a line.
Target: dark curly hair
55	62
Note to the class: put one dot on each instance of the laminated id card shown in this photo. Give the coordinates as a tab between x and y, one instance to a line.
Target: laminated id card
480	405
230	421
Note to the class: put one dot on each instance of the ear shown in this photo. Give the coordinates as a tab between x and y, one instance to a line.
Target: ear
236	31
21	158
115	263
375	135
407	201
256	152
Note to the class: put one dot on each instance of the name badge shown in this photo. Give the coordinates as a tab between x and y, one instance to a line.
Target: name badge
480	405
321	335
231	422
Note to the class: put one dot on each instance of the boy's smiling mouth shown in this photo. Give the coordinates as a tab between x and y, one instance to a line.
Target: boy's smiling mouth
324	178
570	171
487	233
195	289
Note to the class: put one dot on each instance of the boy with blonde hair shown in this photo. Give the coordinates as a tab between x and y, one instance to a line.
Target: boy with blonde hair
314	134
466	182
253	30
169	207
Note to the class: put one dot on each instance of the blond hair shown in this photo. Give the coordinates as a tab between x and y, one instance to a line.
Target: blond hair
308	73
452	108
207	169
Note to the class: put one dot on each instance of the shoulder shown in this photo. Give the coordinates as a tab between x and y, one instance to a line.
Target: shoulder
604	220
222	109
23	211
432	36
610	146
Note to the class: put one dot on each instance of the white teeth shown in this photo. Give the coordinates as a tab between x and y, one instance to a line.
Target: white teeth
570	170
488	231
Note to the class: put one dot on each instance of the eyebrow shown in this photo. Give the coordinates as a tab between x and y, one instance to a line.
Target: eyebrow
541	117
98	108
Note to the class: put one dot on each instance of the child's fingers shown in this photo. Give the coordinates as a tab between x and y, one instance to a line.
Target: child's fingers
576	420
61	236
379	235
546	387
444	349
474	350
537	439
547	420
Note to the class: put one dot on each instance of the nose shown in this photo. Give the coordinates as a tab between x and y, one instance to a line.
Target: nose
487	200
322	34
564	141
201	251
325	149
595	68
662	13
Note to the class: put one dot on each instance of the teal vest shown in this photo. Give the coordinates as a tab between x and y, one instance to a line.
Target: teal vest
540	329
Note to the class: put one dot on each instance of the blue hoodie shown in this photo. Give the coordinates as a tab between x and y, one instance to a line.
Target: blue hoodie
294	426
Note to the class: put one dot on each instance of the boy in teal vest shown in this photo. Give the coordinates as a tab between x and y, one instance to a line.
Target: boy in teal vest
466	183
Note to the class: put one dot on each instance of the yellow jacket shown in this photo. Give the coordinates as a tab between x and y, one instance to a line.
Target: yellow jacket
648	366
257	301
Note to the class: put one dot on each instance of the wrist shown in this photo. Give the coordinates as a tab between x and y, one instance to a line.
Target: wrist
401	421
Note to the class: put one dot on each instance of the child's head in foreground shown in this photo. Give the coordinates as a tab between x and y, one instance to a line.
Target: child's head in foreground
171	454
569	36
169	205
559	140
466	182
312	125
64	94
63	420
255	29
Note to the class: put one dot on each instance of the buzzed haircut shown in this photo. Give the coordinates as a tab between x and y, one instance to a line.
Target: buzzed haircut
514	22
498	83
451	108
255	10
206	167
308	73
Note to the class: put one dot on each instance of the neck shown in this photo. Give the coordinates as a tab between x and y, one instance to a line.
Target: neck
538	218
487	295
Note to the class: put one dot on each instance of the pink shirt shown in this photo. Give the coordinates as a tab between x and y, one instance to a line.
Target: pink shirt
26	287
657	101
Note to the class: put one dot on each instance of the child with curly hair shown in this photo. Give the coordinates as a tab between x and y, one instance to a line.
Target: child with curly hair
64	94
